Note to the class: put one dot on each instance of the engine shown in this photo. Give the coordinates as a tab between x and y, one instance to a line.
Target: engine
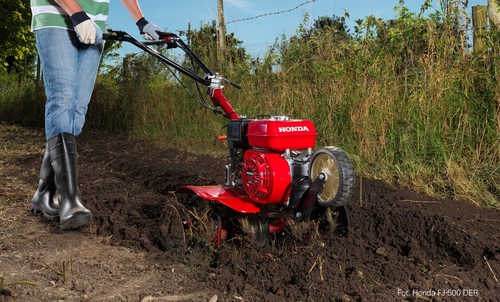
270	157
265	176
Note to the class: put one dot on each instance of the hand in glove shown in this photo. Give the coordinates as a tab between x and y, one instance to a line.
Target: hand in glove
86	30
148	30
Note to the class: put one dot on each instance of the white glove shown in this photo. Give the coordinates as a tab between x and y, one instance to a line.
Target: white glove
148	30
86	30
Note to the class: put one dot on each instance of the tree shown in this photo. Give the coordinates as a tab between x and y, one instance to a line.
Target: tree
204	43
312	41
16	40
336	25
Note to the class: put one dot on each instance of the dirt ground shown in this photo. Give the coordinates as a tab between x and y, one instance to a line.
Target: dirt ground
401	246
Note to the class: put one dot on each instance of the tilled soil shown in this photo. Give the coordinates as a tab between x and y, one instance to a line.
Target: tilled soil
401	245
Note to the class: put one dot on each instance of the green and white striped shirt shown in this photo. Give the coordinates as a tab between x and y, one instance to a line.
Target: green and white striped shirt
47	13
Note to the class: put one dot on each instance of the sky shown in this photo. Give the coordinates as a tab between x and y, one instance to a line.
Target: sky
242	16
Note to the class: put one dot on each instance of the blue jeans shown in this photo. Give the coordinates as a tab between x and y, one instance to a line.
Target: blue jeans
69	71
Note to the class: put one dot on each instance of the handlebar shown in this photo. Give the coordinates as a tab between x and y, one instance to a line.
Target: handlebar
211	80
164	38
172	41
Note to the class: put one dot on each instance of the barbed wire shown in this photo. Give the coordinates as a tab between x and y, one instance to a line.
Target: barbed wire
273	13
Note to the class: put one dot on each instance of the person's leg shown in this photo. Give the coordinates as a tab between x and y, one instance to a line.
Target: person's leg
63	156
89	57
45	200
69	70
58	51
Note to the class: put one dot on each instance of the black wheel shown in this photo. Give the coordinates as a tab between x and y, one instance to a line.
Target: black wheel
337	168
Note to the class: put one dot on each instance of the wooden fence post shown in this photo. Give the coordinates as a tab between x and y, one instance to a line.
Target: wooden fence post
479	13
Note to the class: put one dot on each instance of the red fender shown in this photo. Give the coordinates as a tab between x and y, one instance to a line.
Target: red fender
233	197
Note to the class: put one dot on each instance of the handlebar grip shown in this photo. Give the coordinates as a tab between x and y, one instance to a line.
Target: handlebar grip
116	36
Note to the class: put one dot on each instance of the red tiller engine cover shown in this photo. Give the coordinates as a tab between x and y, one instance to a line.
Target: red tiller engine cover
266	176
279	134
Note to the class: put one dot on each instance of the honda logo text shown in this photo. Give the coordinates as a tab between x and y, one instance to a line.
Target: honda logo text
293	129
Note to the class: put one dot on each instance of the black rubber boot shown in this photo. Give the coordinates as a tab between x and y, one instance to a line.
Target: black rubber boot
45	200
63	157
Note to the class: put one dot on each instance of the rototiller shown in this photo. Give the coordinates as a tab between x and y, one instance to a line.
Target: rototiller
274	177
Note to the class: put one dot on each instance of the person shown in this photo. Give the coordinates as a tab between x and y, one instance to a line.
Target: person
69	41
